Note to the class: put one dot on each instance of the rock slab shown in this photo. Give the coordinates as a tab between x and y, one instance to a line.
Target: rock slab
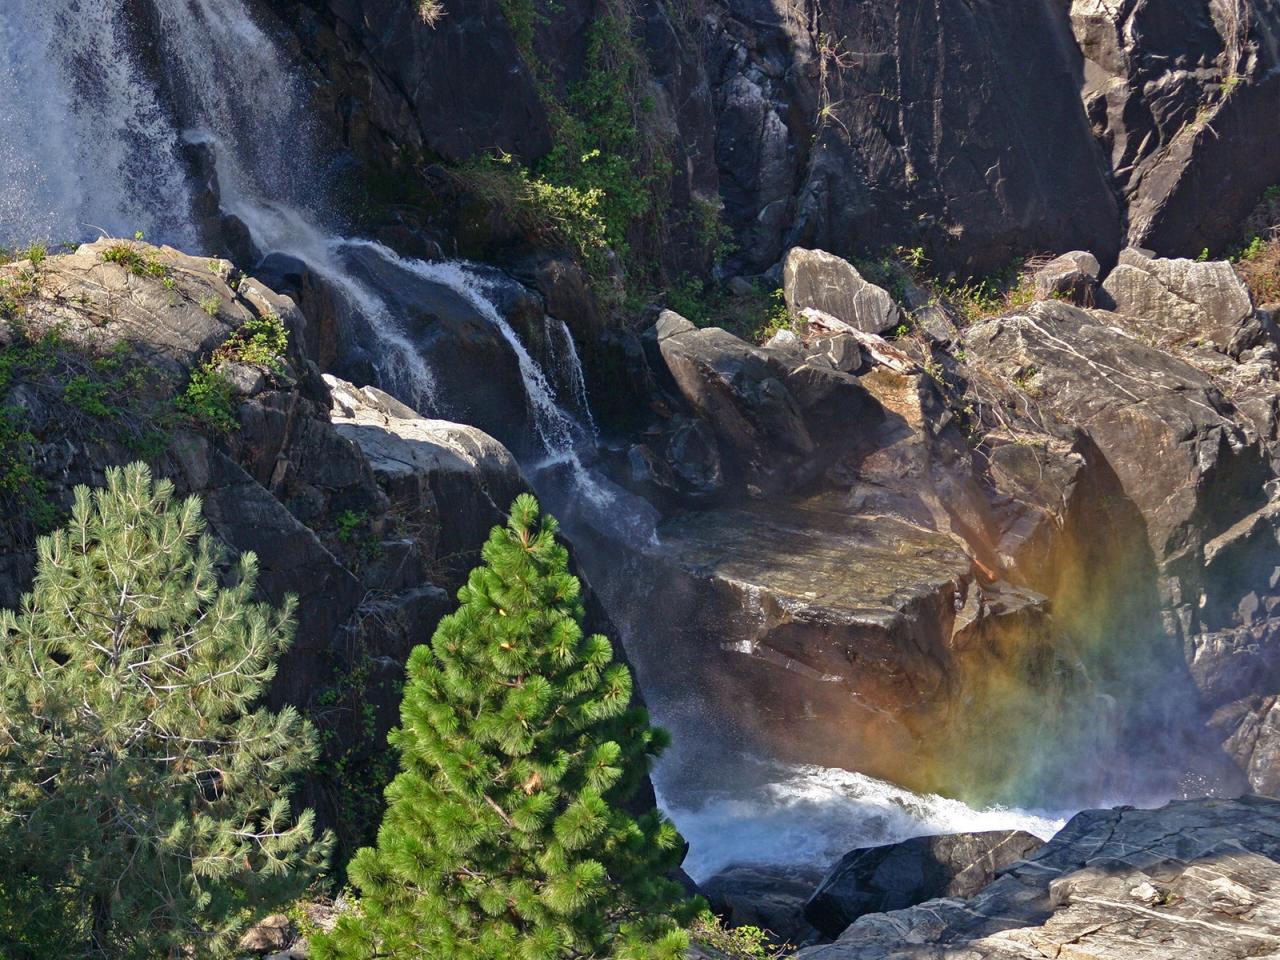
899	875
1196	880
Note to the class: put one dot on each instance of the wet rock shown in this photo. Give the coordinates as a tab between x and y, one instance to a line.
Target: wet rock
816	279
846	640
1158	456
769	897
899	875
694	456
1194	879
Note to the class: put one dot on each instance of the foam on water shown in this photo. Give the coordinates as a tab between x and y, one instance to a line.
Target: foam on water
811	816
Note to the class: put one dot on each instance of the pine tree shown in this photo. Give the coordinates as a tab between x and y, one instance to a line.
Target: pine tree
504	837
143	798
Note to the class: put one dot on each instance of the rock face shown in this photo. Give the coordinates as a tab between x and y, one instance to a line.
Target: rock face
1175	93
1193	879
851	126
900	875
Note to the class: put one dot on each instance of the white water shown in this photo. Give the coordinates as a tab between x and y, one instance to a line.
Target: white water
89	146
563	357
84	148
806	816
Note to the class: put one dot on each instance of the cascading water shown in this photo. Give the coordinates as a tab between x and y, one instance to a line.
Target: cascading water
97	142
86	148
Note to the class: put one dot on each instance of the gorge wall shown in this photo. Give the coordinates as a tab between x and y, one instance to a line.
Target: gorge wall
1027	557
975	131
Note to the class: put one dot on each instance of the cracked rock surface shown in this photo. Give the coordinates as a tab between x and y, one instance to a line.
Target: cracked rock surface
1195	880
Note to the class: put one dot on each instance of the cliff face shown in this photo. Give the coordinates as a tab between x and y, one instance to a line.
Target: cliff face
976	134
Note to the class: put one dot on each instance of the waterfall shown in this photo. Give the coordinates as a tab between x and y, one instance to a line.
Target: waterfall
87	148
98	138
562	356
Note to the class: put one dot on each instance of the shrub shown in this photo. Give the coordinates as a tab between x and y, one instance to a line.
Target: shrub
138	262
142	792
430	11
504	836
1259	267
209	400
737	943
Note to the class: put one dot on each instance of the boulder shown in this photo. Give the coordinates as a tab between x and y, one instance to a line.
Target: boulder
891	877
818	280
450	478
269	935
739	391
1072	277
769	897
1195	880
1178	301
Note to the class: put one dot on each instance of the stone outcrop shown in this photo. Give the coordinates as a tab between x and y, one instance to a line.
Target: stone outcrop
455	480
900	875
1193	879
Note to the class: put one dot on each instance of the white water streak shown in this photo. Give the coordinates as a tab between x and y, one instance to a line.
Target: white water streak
86	144
809	816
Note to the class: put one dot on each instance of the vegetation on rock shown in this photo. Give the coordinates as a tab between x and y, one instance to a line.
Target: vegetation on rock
504	834
144	806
